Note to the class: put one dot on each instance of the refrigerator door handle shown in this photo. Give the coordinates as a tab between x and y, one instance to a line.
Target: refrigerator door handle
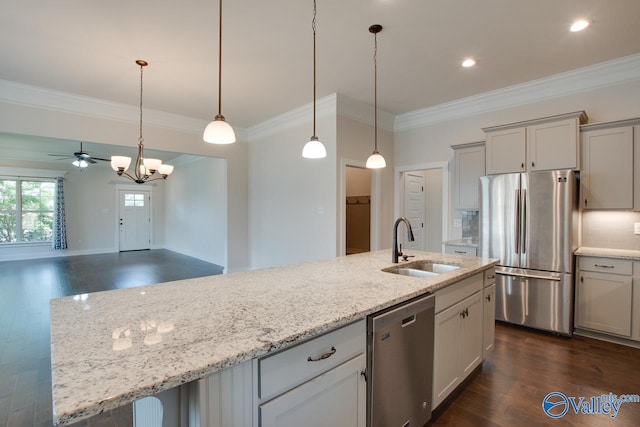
517	221
529	276
523	226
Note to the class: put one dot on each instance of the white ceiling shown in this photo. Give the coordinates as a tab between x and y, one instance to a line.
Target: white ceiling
89	48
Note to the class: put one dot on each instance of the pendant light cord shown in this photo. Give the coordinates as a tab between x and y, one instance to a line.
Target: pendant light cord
375	91
220	59
313	26
140	138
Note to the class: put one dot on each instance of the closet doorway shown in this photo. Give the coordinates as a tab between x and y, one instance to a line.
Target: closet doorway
358	210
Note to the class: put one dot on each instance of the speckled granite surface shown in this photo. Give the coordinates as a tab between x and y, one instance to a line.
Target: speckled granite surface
609	253
111	348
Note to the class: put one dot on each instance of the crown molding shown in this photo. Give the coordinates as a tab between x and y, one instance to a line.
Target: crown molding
33	96
364	113
293	118
604	74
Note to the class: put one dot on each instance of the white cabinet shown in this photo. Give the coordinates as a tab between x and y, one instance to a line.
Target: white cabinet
606	179
458	337
604	295
489	322
543	144
469	162
316	383
335	398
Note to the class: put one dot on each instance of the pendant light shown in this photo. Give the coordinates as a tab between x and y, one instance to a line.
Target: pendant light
219	131
375	160
145	169
314	149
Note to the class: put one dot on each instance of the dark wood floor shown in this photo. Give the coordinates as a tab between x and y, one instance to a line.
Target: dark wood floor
526	365
25	290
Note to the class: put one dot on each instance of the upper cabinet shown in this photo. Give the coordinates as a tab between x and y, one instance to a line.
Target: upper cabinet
543	144
607	173
469	167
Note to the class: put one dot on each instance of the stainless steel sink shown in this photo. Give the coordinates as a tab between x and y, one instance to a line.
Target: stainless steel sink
425	268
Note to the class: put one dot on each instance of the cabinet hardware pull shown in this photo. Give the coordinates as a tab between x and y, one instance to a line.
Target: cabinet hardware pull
489	297
581	279
364	374
322	356
462	314
522	165
585	202
533	164
466	312
459	252
604	266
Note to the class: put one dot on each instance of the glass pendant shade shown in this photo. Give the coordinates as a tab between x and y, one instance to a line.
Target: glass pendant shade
314	149
80	163
152	164
120	162
219	132
376	161
165	170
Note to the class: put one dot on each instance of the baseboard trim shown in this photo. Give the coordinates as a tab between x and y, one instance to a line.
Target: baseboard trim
608	338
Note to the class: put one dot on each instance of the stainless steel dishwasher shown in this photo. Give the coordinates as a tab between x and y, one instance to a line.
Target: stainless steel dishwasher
400	364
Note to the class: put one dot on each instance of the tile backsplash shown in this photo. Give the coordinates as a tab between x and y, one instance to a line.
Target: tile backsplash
470	225
610	229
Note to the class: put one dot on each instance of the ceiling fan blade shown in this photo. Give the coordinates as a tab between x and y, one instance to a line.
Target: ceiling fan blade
60	155
100	158
90	160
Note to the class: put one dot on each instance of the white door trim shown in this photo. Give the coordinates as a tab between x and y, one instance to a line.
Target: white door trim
397	184
138	187
342	203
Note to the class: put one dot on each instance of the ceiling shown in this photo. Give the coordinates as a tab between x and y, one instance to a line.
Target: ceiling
89	48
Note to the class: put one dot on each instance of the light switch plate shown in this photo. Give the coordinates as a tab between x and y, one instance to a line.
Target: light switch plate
636	228
458	223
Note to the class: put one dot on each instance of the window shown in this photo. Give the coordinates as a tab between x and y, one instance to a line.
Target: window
26	210
134	200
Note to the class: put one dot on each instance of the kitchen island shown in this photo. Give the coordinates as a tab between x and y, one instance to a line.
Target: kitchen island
111	348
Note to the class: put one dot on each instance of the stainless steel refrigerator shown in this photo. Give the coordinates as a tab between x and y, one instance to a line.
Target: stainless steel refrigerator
530	222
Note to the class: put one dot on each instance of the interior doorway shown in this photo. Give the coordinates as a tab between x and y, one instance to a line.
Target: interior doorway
358	210
134	217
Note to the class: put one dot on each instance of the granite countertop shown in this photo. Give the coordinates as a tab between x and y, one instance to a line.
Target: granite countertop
111	348
609	253
473	243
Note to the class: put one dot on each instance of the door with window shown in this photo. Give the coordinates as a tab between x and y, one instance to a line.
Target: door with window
134	219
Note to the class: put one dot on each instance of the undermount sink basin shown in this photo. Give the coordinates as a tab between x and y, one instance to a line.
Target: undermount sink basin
421	269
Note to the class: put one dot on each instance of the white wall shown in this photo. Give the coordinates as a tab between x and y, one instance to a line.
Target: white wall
196	209
112	128
432	143
292	199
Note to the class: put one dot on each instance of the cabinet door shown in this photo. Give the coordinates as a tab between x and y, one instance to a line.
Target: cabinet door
446	353
505	151
470	166
335	398
471	334
552	146
489	324
604	302
607	169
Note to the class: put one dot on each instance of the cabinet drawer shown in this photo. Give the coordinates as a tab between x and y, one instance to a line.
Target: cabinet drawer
489	277
290	367
606	265
460	250
457	292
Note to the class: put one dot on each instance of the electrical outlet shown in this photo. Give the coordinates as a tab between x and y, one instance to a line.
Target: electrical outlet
636	228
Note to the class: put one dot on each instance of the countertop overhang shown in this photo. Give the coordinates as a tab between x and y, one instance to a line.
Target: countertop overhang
111	348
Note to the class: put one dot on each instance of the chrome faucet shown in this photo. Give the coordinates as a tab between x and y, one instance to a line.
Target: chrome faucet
395	253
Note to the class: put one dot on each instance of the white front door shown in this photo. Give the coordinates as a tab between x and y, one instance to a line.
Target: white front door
135	219
414	204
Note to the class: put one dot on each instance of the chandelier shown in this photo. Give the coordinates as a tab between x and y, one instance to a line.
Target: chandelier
146	170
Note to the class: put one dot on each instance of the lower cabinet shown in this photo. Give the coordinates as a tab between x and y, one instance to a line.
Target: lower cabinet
489	324
604	302
335	398
458	344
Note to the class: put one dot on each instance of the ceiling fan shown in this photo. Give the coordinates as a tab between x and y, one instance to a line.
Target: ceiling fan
81	159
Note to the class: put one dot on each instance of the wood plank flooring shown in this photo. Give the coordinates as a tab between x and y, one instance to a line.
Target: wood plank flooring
25	290
526	365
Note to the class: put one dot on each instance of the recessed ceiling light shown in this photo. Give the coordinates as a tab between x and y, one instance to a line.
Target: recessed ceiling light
469	62
579	25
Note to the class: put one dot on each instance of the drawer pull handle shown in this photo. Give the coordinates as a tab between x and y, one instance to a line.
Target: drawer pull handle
604	266
460	252
489	297
323	356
